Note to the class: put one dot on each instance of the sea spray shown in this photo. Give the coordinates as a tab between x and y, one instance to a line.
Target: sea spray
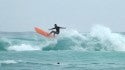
108	40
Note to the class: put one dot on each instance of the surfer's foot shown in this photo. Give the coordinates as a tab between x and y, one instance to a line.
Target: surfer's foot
49	34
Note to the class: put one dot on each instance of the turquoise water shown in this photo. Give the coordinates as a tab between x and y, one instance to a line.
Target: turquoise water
99	49
69	60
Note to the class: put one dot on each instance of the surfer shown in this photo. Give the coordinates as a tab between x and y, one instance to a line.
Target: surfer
57	28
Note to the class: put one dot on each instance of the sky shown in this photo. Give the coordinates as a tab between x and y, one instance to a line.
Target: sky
81	15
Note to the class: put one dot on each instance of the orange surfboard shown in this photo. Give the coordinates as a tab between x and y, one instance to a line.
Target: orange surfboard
42	32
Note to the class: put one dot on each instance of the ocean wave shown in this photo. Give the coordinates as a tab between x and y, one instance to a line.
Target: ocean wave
100	38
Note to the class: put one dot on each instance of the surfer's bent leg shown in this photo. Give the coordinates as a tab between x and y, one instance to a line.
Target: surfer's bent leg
52	32
56	33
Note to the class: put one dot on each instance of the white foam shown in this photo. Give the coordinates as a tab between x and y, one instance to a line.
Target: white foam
23	47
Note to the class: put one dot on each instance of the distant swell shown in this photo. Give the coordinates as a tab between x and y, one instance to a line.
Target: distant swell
99	39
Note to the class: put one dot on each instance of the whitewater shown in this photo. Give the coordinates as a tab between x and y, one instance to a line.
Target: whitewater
99	49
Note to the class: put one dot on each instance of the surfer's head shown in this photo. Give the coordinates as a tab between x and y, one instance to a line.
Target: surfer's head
55	25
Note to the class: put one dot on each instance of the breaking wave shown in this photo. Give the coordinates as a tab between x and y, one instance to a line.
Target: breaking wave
99	39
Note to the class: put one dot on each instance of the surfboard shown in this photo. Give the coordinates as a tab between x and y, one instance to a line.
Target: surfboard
42	32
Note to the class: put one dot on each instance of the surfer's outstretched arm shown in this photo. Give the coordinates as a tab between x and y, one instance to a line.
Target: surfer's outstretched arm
62	27
52	28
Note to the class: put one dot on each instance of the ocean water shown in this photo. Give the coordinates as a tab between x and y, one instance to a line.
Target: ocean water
99	49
